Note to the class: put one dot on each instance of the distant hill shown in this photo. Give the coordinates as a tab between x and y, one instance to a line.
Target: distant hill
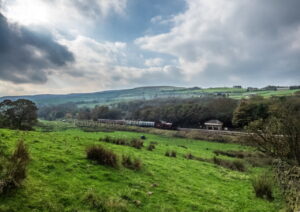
114	96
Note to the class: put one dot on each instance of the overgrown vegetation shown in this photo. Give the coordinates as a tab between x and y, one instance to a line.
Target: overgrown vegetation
98	203
128	162
237	165
13	168
135	143
263	187
151	147
171	153
278	135
102	156
256	159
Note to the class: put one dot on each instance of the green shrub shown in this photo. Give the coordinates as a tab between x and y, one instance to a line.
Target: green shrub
102	156
263	187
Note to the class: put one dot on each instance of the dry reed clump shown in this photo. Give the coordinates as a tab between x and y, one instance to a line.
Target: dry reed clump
134	164
102	156
13	169
256	159
151	147
236	165
136	143
263	187
171	154
98	203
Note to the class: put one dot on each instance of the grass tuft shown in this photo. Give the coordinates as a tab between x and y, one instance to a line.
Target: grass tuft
13	169
236	165
102	156
263	187
134	164
151	147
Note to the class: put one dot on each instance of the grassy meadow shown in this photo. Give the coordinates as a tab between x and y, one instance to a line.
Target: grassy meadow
60	178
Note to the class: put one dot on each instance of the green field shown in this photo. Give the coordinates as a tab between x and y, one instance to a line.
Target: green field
144	93
60	178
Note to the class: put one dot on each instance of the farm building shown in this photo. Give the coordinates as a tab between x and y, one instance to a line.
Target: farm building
214	125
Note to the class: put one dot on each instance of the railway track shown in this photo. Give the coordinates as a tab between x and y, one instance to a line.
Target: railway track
214	131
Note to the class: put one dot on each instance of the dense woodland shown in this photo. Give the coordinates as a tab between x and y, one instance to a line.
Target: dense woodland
191	112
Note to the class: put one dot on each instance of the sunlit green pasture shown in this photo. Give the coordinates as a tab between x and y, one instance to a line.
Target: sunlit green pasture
60	178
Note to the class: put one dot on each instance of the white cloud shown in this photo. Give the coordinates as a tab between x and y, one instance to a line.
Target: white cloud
222	41
72	16
154	62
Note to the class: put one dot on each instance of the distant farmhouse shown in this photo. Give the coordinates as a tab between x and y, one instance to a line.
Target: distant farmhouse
214	125
237	86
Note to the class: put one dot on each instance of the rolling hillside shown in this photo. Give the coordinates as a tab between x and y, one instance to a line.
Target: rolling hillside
61	178
114	96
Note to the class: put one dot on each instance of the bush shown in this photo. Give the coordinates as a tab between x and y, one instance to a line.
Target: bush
102	156
107	139
236	165
239	165
170	153
189	156
134	164
263	187
260	161
151	147
13	169
138	144
233	154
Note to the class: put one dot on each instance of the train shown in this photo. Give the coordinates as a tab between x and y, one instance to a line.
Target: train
154	124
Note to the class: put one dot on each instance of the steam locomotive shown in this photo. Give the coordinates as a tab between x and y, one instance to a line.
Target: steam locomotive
156	124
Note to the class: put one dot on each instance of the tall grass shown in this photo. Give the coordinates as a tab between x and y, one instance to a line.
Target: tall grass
102	156
263	187
13	169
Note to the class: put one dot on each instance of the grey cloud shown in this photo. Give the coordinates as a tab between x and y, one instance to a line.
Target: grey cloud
254	42
25	55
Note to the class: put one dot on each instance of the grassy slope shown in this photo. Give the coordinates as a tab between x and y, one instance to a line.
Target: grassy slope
115	96
60	176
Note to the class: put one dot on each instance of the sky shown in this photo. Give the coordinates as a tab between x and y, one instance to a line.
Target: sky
73	46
